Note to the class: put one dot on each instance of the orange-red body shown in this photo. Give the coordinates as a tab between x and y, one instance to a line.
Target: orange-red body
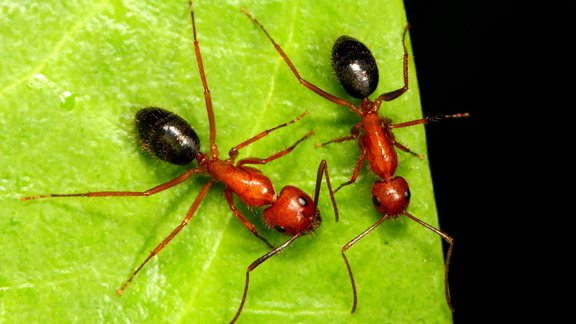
377	141
356	70
251	186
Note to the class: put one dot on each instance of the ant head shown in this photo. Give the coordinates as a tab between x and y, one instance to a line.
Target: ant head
355	67
391	197
293	212
167	136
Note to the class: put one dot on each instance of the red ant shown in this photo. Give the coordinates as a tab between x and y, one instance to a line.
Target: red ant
170	138
357	72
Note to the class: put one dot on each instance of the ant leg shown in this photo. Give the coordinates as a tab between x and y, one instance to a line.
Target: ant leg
253	160
207	97
146	193
320	92
235	150
356	170
427	120
397	93
424	120
169	238
448	240
230	200
323	170
256	264
407	150
349	245
354	132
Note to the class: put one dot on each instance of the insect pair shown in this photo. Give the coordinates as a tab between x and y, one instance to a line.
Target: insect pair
292	212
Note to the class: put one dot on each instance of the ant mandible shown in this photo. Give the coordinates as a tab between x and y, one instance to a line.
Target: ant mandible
170	138
357	72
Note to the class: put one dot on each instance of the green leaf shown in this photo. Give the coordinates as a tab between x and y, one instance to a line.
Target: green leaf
73	75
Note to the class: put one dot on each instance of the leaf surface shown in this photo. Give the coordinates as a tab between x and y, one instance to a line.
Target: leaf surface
73	76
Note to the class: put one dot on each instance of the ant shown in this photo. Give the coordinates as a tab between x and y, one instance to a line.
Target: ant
169	137
357	72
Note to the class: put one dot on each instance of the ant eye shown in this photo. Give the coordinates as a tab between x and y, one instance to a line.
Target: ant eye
303	201
407	194
280	228
376	201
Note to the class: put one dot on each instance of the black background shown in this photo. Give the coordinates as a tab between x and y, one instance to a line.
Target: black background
449	40
499	176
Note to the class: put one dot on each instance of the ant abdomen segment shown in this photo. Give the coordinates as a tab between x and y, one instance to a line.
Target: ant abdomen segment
167	136
355	67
